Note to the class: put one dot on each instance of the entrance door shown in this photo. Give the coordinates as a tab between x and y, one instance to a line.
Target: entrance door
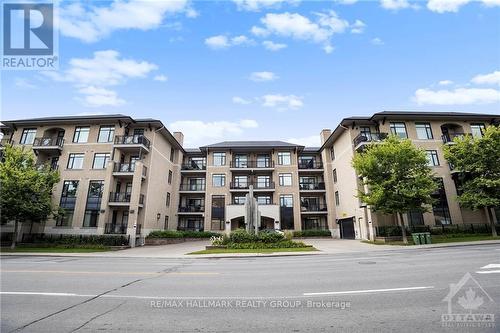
347	228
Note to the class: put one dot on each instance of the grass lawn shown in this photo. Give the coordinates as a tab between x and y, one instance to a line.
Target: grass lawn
54	249
438	239
294	249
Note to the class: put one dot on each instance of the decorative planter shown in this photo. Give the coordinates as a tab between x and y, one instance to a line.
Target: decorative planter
166	241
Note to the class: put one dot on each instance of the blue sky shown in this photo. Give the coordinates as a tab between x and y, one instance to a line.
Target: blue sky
275	69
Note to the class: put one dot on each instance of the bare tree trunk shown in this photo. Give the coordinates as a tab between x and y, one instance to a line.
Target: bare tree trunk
14	237
492	222
403	229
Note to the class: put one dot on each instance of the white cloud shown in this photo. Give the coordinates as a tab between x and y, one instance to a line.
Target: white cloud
358	27
224	42
257	5
241	100
377	41
24	83
490	78
282	102
328	49
91	23
263	76
346	2
271	46
397	4
445	82
442	6
91	75
161	78
459	96
198	133
318	30
308	141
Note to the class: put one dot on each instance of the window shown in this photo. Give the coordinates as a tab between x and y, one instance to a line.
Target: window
332	153
306	162
264	200
307	183
263	161
239	200
219	159
67	203
240	182
424	131
263	182
170	176
240	161
477	130
219	180
75	161
172	154
100	160
337	198
286	200
432	157
28	136
440	207
285	179
93	206
399	129
284	158
286	211
167	201
81	134
106	134
334	175
218	215
165	226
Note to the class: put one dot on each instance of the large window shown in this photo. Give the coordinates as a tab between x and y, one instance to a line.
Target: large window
440	206
286	211
218	215
81	134
284	158
432	157
424	131
93	205
106	134
100	160
285	179
75	161
264	200
219	180
263	182
240	181
239	200
219	159
399	129
240	161
67	203
477	130
28	136
263	161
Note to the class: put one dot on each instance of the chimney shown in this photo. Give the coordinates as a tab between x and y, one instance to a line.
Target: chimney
179	137
325	134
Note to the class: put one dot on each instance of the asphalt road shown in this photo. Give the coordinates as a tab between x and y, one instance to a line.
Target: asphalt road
386	291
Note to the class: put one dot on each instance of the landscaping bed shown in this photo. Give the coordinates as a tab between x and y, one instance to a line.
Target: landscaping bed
166	237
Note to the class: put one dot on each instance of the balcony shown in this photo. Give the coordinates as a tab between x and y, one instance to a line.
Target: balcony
115	229
127	169
450	137
48	144
257	164
194	167
191	209
313	208
123	199
131	142
363	139
257	186
192	188
312	187
311	165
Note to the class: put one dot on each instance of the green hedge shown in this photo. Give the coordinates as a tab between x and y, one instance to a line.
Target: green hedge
312	233
242	236
285	244
72	240
181	234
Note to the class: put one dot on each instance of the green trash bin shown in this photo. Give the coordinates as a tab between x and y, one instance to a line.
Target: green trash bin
427	236
416	238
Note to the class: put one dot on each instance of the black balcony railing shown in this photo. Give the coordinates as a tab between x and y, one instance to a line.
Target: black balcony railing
252	164
132	140
192	209
369	137
312	186
313	207
256	185
192	187
447	138
124	167
194	166
310	164
48	142
115	229
119	197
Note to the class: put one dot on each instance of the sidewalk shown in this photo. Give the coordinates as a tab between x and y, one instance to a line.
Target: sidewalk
325	246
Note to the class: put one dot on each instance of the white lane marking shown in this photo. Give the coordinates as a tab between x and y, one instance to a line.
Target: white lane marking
348	292
488	272
491	266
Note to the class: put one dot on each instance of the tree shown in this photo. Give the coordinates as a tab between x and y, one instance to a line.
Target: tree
25	189
398	177
478	162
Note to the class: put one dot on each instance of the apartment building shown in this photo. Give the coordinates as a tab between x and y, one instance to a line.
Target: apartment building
427	130
124	176
118	175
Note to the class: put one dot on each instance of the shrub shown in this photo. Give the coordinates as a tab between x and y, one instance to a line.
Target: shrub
242	236
71	240
270	237
181	234
312	233
284	244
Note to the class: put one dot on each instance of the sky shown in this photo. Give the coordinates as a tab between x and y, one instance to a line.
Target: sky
264	69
